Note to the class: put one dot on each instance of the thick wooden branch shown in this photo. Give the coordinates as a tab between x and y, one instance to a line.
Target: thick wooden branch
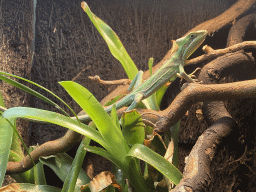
196	176
194	93
225	18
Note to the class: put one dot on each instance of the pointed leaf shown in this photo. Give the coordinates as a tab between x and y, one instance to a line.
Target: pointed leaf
72	182
114	44
157	161
106	126
31	91
133	127
61	165
55	118
6	133
103	153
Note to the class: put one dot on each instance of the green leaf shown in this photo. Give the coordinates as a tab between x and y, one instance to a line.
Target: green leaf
37	171
133	127
55	118
111	133
106	126
32	92
72	183
114	116
61	164
114	44
29	187
103	153
157	161
160	93
6	133
24	177
16	154
151	102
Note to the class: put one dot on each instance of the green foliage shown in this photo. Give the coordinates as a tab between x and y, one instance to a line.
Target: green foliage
124	147
114	44
6	133
133	127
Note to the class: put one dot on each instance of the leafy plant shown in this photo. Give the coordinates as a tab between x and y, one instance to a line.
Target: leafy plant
123	146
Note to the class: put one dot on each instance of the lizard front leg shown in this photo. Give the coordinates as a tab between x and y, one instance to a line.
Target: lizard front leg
137	81
137	99
183	74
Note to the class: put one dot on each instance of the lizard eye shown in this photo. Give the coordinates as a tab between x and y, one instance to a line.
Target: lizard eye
192	36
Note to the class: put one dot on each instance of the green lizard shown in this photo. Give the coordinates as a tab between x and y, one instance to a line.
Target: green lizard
170	70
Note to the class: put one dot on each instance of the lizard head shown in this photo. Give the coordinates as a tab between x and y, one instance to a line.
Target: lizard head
189	43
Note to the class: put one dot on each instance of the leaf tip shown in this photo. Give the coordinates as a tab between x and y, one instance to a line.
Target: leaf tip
84	5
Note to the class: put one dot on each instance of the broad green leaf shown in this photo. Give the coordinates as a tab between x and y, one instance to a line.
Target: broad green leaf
106	126
133	127
6	133
72	183
114	44
20	187
55	118
61	164
157	161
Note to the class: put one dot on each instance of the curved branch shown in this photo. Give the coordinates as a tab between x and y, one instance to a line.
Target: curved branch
194	93
197	175
63	144
235	11
222	124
